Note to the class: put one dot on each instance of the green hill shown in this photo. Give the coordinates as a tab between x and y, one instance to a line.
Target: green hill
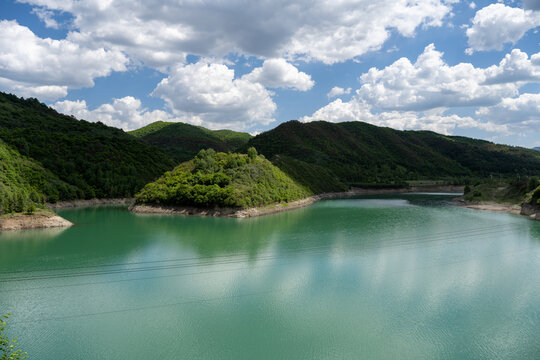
325	156
95	159
183	141
25	184
222	180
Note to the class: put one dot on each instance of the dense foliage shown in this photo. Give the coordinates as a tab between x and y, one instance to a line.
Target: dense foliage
183	141
222	180
510	191
95	159
25	184
328	157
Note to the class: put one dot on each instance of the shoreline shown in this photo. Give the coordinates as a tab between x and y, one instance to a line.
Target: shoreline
41	220
492	206
281	207
91	202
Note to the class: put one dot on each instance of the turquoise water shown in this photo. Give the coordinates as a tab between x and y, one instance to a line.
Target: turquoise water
403	276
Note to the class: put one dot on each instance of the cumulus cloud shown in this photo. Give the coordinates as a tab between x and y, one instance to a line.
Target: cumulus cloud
207	93
523	110
514	67
278	73
161	33
359	110
337	91
431	83
32	66
498	24
423	95
125	113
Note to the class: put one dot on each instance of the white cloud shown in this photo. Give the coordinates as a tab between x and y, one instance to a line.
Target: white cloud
278	73
161	33
472	5
208	94
422	95
515	67
337	91
430	83
358	110
125	113
32	66
47	16
498	24
523	111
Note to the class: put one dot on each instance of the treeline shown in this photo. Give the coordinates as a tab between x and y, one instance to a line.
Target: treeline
93	159
222	180
325	156
183	141
24	184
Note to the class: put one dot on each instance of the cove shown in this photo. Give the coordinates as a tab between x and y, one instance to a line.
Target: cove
404	276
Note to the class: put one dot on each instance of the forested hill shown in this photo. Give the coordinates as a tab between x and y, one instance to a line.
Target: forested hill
326	157
183	141
97	160
25	184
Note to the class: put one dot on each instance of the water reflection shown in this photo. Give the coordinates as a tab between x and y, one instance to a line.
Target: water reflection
397	277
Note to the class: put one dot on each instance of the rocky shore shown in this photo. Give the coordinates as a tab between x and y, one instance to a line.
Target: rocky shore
276	208
91	202
41	220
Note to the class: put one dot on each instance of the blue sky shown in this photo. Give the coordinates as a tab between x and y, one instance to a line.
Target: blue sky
455	67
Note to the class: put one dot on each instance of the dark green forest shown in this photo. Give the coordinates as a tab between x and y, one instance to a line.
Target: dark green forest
183	141
224	180
25	184
47	157
95	159
325	156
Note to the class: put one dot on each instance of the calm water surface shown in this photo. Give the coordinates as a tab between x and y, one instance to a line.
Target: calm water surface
403	276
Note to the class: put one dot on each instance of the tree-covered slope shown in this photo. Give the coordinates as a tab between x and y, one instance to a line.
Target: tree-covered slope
222	180
183	141
100	161
326	156
25	184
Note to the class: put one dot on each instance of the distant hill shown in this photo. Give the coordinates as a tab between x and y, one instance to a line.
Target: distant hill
95	159
537	148
222	180
325	156
25	184
183	141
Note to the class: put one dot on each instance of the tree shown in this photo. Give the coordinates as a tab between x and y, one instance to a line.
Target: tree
252	153
8	348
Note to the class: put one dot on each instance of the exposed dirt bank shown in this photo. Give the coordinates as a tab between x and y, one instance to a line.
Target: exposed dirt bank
35	221
91	202
492	206
276	208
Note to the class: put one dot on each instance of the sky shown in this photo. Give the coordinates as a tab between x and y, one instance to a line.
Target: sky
455	67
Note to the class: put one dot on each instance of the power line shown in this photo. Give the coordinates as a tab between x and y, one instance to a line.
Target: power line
200	301
292	252
166	267
219	256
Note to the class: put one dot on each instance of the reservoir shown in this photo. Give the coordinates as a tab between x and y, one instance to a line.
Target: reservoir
384	277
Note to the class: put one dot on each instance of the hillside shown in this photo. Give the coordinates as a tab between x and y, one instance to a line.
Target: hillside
95	159
222	180
325	156
25	184
183	141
